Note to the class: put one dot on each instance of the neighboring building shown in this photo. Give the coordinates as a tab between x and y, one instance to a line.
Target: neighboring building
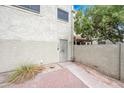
78	40
35	34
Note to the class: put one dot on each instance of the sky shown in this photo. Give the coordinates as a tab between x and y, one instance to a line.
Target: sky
84	7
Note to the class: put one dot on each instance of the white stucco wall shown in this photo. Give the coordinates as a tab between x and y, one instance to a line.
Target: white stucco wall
108	59
104	58
14	53
19	24
20	27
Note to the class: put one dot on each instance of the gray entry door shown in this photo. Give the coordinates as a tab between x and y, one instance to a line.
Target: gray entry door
63	55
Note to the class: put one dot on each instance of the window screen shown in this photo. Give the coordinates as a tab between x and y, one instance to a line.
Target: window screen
63	15
33	8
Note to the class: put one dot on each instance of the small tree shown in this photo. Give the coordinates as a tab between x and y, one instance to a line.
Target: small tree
83	25
101	22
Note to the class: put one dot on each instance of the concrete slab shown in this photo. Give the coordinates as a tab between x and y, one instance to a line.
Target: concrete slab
91	77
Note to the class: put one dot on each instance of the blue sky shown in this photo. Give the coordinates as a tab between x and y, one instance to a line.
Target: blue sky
84	7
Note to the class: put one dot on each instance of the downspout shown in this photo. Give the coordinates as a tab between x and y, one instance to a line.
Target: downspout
72	30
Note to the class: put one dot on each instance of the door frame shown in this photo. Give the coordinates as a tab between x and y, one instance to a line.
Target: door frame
60	49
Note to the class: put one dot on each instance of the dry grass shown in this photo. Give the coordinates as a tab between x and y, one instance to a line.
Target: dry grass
24	73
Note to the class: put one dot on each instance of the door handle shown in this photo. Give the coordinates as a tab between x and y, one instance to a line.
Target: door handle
62	50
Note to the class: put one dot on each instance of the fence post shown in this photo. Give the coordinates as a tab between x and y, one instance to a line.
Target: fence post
119	60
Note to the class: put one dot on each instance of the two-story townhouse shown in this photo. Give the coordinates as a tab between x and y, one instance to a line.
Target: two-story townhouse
35	34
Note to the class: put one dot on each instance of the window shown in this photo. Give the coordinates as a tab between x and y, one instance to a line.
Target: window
33	8
62	15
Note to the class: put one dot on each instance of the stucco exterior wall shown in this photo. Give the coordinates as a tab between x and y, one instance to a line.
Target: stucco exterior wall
20	24
104	58
14	53
31	36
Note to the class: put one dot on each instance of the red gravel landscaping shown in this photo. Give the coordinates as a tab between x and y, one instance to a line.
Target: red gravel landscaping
61	78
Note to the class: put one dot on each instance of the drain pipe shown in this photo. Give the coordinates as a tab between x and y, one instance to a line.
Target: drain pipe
72	38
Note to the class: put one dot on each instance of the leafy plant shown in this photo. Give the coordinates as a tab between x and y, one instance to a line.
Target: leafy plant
100	22
25	72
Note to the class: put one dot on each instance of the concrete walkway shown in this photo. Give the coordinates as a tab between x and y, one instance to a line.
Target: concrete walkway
69	75
91	77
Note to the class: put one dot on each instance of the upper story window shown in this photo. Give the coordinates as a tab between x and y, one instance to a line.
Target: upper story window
62	15
33	8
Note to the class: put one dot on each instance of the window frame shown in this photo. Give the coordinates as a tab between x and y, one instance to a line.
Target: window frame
27	9
64	12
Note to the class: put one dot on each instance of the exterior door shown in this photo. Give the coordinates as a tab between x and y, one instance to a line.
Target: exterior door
63	50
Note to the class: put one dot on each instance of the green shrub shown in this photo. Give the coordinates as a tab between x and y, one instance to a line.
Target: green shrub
24	73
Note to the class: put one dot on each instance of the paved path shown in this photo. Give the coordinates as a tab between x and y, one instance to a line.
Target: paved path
69	75
57	79
91	77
